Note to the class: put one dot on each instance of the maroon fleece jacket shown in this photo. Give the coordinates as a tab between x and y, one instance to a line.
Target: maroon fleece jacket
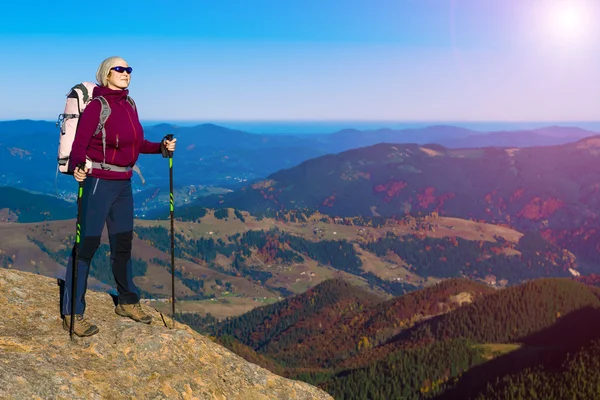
124	135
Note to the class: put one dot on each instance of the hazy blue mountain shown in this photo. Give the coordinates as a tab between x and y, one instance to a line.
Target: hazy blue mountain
212	155
351	138
539	137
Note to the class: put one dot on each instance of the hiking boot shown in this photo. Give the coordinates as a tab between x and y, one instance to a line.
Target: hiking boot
133	311
81	327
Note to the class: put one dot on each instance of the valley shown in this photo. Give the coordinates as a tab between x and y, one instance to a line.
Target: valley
229	262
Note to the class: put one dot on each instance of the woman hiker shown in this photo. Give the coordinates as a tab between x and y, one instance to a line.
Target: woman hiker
107	196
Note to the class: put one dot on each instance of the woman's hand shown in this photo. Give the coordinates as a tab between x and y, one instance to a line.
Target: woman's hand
170	144
80	174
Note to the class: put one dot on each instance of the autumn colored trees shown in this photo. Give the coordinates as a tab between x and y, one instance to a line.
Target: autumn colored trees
355	346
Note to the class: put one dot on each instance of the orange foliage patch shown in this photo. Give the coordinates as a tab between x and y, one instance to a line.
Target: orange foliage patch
517	194
489	197
391	189
537	208
329	201
442	199
426	197
263	184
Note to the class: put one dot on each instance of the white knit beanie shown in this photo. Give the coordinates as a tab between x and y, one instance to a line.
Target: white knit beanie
104	69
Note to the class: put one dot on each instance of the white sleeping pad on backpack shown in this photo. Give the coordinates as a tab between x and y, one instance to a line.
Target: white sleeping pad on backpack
78	98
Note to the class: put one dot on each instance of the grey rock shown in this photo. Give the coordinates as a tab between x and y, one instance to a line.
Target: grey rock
124	360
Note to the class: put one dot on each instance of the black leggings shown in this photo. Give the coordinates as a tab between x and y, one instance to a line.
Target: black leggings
107	202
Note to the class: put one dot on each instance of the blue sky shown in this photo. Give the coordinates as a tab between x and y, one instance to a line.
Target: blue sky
403	60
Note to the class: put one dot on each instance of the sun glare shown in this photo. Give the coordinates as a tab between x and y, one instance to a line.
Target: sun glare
568	21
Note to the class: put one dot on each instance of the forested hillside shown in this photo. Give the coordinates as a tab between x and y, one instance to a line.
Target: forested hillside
29	207
551	189
456	338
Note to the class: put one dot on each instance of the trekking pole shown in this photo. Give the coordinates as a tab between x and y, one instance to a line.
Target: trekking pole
172	209
80	166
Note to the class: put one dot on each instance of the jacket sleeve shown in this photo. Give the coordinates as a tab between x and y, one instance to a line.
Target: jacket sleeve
150	147
86	128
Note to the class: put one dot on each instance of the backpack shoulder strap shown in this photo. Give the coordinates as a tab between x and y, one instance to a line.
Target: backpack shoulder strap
130	101
104	114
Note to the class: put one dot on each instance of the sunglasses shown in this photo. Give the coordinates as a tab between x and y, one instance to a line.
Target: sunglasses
122	69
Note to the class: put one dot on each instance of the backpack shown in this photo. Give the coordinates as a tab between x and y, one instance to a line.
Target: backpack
78	98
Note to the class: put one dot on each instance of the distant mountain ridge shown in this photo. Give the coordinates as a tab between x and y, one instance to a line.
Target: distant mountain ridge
512	139
456	137
213	155
390	179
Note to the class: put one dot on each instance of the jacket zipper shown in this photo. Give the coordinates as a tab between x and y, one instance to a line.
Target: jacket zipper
134	134
116	147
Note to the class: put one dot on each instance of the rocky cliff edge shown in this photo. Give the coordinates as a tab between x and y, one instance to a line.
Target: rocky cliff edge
124	360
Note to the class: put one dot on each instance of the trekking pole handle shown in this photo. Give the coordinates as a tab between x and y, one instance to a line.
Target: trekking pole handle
170	137
80	166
